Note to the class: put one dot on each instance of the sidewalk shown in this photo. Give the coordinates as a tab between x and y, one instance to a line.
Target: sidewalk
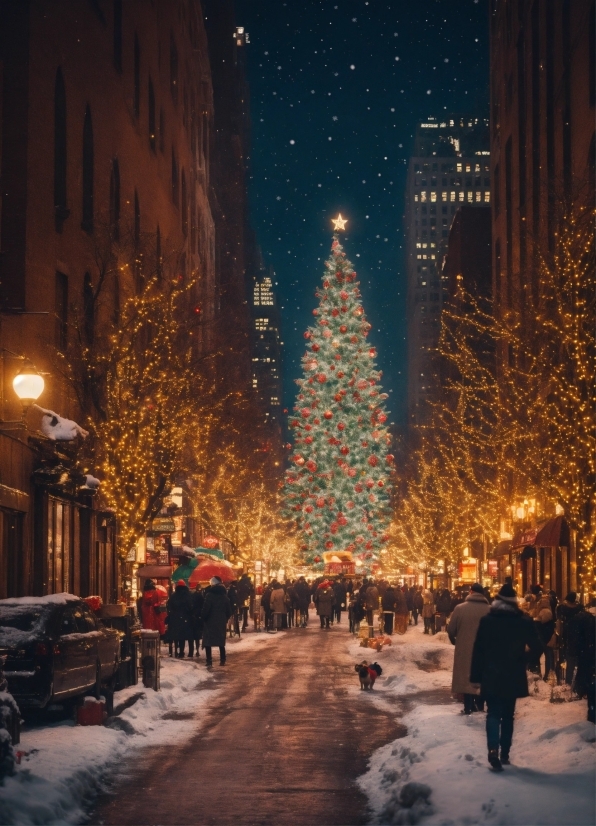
552	776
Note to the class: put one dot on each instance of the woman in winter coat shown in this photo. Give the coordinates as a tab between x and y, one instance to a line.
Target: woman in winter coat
215	615
153	614
325	600
462	629
279	605
499	667
180	619
428	612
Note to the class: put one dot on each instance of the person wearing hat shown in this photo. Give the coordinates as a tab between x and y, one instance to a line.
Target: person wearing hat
462	629
215	614
180	619
499	668
324	601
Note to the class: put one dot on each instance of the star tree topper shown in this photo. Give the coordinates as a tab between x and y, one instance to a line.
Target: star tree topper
339	223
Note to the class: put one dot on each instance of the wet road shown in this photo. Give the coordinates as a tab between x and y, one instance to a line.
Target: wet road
282	744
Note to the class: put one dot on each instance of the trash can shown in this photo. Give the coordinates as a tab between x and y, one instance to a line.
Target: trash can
150	658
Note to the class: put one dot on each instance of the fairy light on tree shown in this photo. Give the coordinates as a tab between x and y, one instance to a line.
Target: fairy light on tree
337	489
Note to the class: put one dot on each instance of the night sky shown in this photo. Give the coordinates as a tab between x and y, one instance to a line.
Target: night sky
336	91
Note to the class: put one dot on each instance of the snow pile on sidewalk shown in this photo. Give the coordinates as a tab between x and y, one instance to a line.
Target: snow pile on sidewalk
438	773
64	765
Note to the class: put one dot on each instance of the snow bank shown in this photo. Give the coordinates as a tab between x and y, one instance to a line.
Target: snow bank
550	781
64	765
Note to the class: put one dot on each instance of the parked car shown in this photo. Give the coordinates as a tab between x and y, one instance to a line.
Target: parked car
55	648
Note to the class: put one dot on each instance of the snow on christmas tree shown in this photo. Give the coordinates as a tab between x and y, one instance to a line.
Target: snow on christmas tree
337	488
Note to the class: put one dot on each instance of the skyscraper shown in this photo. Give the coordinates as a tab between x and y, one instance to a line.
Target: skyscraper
450	167
266	357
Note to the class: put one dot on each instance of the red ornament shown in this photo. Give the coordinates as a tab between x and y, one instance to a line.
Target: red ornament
307	334
308	440
320	503
329	544
350	505
352	472
373	461
316	421
358	488
316	559
315	348
312	466
343	295
369	483
315	312
305	412
343	329
380	483
340	375
335	312
341	426
321	378
372	352
328	414
389	458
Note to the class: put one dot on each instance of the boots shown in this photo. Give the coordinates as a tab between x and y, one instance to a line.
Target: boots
493	759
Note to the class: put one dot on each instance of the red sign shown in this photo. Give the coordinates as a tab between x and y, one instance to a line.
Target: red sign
348	568
493	567
210	542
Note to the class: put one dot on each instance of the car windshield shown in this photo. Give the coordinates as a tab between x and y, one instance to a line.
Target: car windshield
22	624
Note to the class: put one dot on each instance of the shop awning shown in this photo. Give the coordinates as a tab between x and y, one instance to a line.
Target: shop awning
155	572
551	534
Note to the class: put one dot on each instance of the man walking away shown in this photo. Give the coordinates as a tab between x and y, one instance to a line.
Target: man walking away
443	607
585	630
388	606
302	592
180	626
216	613
462	629
324	600
499	667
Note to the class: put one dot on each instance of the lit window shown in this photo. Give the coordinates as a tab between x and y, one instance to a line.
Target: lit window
487	197
433	196
452	196
443	196
470	196
477	168
416	197
461	196
459	167
423	196
479	196
468	168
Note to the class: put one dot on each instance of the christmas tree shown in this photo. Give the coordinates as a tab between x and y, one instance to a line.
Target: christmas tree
337	488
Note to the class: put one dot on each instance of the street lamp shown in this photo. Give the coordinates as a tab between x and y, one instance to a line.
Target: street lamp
28	386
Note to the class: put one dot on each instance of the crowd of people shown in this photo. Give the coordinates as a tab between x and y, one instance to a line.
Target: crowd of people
497	639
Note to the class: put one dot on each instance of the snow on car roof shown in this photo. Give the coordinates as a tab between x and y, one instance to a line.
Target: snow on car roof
24	619
49	599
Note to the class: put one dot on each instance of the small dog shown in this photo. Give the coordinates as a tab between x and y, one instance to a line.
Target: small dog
367	674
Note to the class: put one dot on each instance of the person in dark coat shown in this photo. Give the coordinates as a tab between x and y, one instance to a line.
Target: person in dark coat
215	615
585	631
266	606
339	589
566	612
443	606
417	604
246	592
388	606
180	627
499	667
302	592
197	621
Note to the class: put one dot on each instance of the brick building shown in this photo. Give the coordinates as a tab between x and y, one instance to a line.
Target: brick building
543	56
106	120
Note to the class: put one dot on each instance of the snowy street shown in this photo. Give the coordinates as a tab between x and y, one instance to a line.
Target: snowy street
284	735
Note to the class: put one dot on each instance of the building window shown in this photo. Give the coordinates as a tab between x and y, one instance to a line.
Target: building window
115	200
433	196
117	39
60	209
61	310
173	69
487	197
461	196
184	206
88	171
137	77
452	196
175	181
151	111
